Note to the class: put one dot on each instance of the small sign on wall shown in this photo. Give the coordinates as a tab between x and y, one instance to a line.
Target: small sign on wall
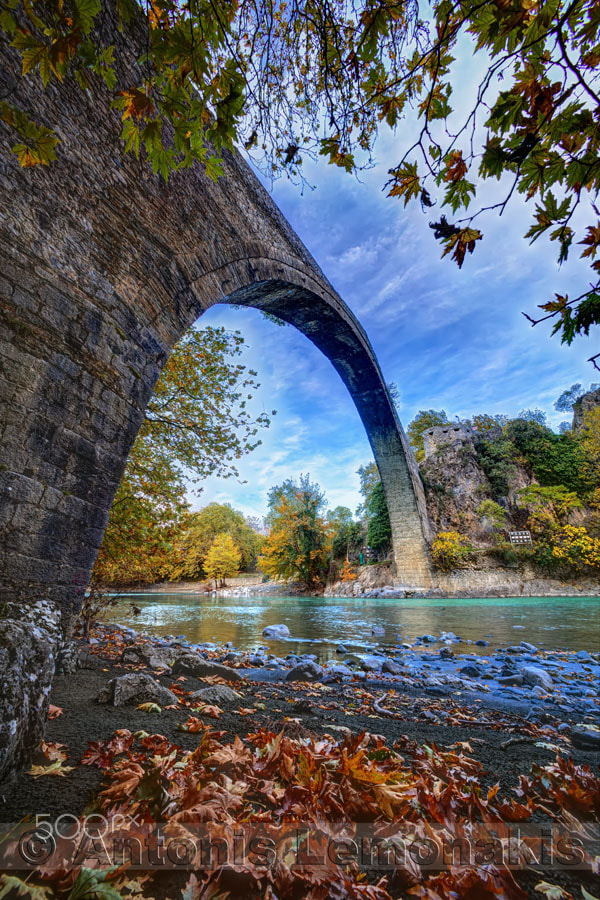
520	537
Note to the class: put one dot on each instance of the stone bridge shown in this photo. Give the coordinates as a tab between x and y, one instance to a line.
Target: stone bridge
103	269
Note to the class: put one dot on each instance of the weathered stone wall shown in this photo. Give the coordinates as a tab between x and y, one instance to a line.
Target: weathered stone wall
490	580
103	268
441	436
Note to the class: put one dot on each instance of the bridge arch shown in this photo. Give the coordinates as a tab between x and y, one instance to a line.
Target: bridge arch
103	267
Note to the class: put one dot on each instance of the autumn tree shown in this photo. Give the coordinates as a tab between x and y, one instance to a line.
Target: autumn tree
321	79
299	543
197	424
200	531
222	560
450	551
549	506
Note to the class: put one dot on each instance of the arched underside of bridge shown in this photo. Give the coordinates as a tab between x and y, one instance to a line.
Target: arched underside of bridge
103	268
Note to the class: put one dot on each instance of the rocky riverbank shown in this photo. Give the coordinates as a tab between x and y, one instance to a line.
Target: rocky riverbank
459	725
488	580
519	678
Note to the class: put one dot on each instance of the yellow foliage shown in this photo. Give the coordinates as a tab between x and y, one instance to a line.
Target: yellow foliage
348	572
451	550
222	559
576	546
299	543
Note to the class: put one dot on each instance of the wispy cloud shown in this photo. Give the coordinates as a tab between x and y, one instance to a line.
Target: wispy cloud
452	339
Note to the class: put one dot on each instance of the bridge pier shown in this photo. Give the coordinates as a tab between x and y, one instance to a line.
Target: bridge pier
103	267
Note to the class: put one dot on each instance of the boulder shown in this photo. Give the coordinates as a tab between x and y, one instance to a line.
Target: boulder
585	738
218	694
307	670
534	675
584	656
341	649
338	669
511	680
149	655
391	667
428	638
371	664
193	665
481	643
446	653
470	671
378	629
136	687
277	632
531	648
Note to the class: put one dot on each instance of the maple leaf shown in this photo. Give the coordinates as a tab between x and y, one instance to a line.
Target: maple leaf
592	241
126	776
53	751
54	711
56	768
406	183
205	710
458	244
92	883
149	707
11	886
456	167
192	724
134	103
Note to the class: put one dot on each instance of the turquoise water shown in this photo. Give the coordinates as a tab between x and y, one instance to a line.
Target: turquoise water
319	624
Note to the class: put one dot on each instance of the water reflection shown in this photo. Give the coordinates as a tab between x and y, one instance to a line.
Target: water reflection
319	624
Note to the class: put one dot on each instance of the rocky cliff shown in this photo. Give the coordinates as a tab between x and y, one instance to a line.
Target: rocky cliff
456	484
584	404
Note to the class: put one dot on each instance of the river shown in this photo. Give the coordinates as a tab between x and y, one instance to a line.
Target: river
318	624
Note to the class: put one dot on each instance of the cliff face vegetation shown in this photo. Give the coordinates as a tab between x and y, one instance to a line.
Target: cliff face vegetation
493	476
457	484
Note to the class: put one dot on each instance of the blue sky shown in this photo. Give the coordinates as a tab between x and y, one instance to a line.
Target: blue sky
451	339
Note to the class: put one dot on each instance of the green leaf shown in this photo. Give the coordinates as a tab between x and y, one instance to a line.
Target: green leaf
214	167
8	23
84	14
90	885
12	888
